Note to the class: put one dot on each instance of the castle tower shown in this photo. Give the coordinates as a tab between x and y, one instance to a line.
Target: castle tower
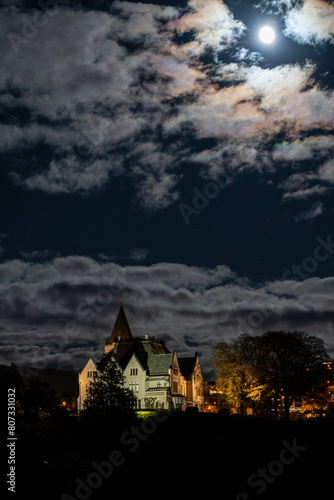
121	331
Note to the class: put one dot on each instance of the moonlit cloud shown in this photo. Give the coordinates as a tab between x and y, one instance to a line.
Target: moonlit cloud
70	175
315	211
305	193
106	93
304	185
311	22
61	311
150	99
306	21
277	84
213	24
304	149
326	172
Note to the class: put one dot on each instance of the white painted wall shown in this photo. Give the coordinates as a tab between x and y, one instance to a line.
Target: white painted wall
140	378
85	378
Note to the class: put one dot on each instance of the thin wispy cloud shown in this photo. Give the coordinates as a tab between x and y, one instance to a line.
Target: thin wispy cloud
315	211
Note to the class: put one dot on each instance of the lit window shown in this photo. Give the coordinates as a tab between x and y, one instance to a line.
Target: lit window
134	386
159	384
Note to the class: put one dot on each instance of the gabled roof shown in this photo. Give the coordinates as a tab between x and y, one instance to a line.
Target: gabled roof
187	366
153	356
91	360
121	328
123	352
160	363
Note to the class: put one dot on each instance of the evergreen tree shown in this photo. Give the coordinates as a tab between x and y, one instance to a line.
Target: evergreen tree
107	393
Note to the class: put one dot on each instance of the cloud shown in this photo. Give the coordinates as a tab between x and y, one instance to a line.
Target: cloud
305	149
326	172
74	39
181	78
306	21
231	158
241	110
311	22
219	113
60	312
137	255
153	168
303	185
277	84
315	211
213	26
39	256
244	54
92	93
69	175
112	93
305	193
157	12
142	21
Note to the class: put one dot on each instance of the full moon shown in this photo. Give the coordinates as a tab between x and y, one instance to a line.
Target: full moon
267	34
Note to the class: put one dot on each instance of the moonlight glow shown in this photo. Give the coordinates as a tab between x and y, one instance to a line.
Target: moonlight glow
267	34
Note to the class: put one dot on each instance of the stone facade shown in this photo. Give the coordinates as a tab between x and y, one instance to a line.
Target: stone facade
156	376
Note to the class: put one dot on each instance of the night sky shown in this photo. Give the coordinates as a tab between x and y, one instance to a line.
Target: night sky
162	149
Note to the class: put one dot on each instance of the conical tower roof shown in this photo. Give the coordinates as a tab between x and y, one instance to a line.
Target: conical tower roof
121	330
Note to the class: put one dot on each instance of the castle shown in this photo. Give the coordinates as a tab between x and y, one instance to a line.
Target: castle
156	376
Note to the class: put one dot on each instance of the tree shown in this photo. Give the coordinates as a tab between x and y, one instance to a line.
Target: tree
292	365
236	364
267	369
107	394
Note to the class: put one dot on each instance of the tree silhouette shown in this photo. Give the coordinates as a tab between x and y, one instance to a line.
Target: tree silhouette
107	394
267	369
292	365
